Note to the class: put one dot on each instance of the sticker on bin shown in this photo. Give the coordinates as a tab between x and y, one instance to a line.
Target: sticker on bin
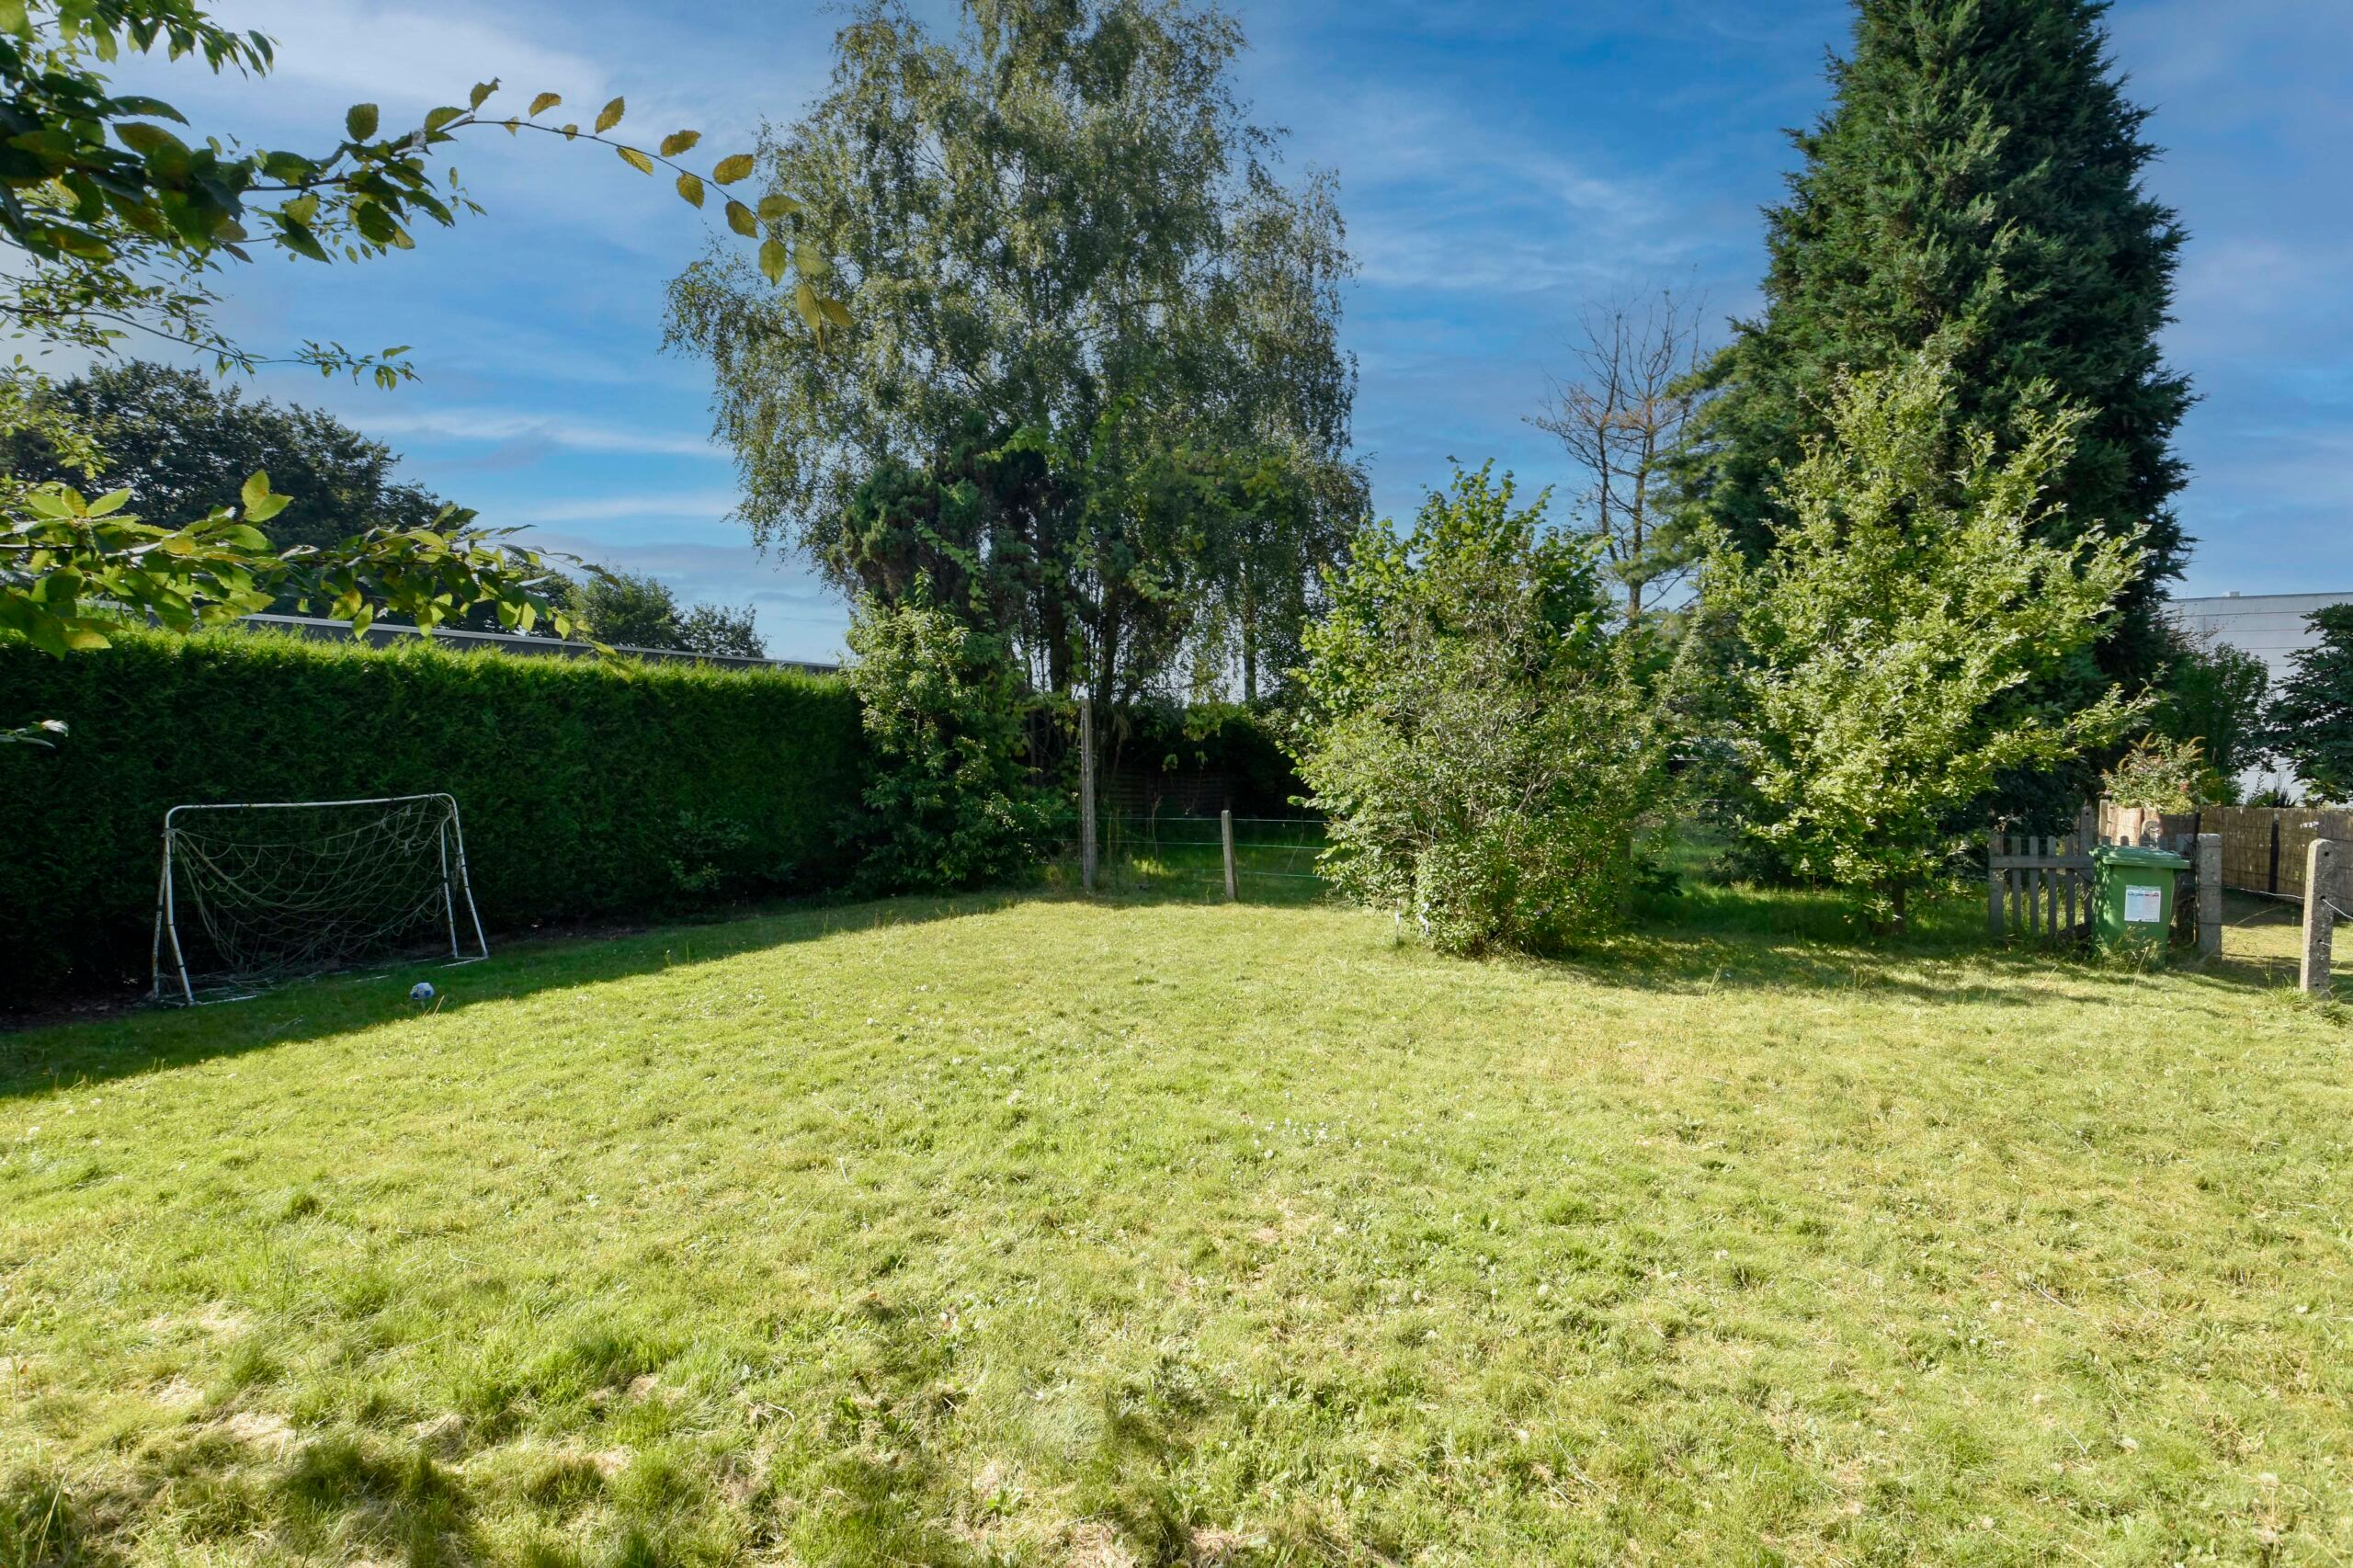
2143	906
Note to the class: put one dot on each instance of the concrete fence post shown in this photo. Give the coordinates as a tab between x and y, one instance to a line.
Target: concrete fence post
2323	891
2209	893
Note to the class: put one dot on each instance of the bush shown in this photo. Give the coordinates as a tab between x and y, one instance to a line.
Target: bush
1476	737
950	803
2161	775
588	788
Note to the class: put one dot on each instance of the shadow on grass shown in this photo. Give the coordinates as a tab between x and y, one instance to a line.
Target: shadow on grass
40	1059
1711	937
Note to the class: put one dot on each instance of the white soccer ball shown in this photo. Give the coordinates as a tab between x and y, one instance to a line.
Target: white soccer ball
421	991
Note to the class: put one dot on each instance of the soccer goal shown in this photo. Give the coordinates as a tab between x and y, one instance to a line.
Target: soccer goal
267	890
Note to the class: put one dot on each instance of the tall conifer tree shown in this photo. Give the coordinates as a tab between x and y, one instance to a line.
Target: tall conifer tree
1977	186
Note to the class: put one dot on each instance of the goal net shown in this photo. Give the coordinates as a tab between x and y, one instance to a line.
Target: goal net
270	889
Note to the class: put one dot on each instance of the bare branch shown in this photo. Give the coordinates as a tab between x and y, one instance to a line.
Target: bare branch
1619	415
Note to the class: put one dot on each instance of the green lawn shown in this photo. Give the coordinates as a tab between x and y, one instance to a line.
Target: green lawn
1161	1230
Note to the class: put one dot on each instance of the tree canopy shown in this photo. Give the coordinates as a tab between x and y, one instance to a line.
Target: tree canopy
2311	716
1975	191
2212	695
1893	636
1087	381
630	609
183	444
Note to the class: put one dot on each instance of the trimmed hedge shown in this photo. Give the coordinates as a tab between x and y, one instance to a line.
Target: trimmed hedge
586	787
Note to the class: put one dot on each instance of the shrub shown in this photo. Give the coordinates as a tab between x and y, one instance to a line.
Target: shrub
2161	775
588	788
1474	735
951	802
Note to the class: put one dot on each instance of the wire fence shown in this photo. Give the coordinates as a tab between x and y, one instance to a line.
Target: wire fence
1274	858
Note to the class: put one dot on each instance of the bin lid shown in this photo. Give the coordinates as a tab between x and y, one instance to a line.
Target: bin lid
2134	855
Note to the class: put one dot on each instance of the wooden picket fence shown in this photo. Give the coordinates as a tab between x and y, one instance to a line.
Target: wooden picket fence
2036	886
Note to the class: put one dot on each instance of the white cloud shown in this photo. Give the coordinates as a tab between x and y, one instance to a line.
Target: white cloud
412	55
665	504
499	427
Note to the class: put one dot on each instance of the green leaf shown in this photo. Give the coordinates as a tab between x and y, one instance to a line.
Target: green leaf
570	131
146	108
150	141
359	122
690	186
739	219
482	90
301	209
730	170
255	490
111	502
778	206
678	142
775	257
635	160
301	241
441	117
13	20
544	101
609	116
834	311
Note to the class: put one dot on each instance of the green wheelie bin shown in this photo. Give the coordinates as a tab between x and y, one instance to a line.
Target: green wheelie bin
2133	890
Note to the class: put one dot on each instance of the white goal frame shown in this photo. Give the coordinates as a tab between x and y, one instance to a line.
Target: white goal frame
454	859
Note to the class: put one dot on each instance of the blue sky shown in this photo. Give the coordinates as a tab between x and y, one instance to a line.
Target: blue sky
1501	166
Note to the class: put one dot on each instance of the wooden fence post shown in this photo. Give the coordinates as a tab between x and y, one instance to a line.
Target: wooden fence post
1225	831
1086	793
1993	879
2210	894
2321	864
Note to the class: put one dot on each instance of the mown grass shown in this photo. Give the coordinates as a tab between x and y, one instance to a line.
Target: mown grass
1042	1231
